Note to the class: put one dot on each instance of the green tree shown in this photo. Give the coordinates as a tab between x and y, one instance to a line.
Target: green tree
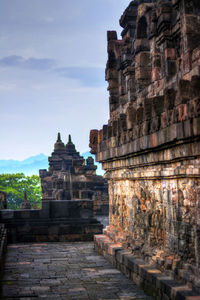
14	185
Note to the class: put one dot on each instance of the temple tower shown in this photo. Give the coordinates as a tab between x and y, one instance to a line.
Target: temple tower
70	177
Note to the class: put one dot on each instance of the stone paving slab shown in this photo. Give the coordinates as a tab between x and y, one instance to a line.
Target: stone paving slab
63	271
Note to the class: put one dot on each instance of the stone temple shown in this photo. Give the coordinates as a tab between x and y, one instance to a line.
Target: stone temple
69	178
150	148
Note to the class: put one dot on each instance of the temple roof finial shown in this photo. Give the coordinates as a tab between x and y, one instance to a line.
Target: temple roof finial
69	139
59	137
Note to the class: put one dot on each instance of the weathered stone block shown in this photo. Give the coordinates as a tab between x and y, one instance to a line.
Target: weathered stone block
171	68
142	59
196	126
111	35
142	73
6	214
170	53
156	74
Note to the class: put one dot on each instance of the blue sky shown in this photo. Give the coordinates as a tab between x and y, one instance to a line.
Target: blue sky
52	65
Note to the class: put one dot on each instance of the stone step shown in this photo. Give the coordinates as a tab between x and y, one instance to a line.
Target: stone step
155	283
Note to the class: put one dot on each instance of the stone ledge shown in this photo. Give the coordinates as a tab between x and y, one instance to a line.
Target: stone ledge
51	231
154	282
57	221
144	157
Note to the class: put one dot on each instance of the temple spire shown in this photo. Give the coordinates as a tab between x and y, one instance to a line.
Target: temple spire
59	137
70	147
59	145
69	139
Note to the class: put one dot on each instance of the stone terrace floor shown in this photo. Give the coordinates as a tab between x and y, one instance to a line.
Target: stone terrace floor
63	271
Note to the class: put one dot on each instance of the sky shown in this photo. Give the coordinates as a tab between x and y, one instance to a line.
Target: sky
52	72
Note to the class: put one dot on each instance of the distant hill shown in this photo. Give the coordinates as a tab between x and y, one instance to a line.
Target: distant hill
28	166
33	164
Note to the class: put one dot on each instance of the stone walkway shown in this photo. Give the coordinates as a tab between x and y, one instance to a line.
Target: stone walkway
63	271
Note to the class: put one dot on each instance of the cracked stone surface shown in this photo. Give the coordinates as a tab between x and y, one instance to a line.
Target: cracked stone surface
63	271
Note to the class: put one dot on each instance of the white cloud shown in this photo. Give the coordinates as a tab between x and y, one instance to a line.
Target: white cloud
7	86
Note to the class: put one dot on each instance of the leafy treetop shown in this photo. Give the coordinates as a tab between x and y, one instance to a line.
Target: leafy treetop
14	185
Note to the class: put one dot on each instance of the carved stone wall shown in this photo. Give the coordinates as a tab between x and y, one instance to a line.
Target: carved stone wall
150	147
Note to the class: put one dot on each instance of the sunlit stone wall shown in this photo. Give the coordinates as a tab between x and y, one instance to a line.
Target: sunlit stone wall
150	148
